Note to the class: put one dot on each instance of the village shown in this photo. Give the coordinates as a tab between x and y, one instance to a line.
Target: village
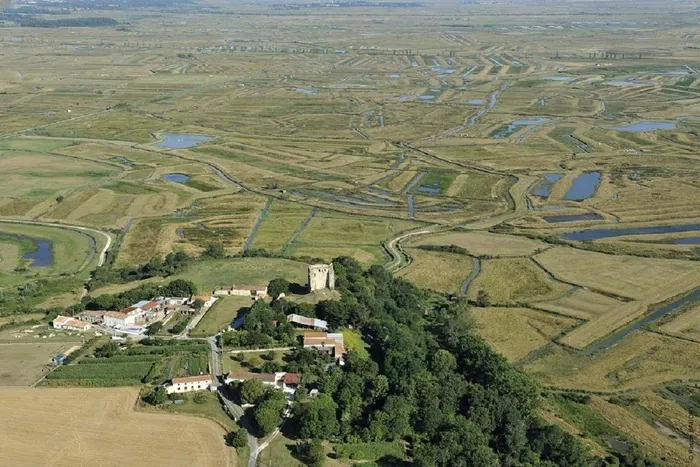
133	322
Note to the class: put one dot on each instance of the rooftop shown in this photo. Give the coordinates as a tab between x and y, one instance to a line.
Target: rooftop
191	379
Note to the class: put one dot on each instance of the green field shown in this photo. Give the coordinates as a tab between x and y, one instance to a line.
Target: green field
220	315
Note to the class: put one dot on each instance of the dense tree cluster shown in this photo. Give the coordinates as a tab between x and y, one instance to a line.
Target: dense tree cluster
431	381
264	326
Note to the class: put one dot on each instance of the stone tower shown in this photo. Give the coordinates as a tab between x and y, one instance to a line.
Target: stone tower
321	276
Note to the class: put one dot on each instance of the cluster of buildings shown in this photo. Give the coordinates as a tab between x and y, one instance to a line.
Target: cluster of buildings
287	382
133	319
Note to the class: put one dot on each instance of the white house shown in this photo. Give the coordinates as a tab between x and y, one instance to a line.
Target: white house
70	324
119	319
189	383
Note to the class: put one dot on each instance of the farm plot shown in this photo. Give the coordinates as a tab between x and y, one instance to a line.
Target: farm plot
34	176
515	280
686	325
582	304
647	279
24	363
444	272
95	418
280	224
642	359
515	332
484	243
328	236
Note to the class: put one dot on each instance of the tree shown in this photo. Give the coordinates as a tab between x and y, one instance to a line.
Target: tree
277	286
237	438
154	328
198	304
483	299
214	250
268	413
200	397
251	390
157	397
316	418
314	456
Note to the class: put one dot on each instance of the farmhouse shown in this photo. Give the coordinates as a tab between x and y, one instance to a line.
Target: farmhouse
71	324
253	291
331	343
307	322
189	383
119	319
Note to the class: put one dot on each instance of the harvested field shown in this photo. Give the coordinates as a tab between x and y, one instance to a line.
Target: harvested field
515	332
484	243
93	419
509	281
613	319
649	279
444	272
686	325
582	304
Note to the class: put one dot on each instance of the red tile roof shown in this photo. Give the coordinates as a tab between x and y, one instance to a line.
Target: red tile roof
292	378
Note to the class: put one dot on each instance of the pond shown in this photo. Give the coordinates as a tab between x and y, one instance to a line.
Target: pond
177	178
583	187
511	128
433	189
646	126
42	256
597	234
182	140
394	75
589	216
557	78
308	92
687	241
619	82
475	101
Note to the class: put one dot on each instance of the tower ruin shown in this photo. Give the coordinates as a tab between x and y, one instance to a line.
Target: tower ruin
321	276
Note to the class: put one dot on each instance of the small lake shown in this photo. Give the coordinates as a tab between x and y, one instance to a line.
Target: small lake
543	188
426	98
394	75
583	187
597	234
42	256
557	78
475	102
511	128
646	126
589	216
182	140
177	178
443	70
